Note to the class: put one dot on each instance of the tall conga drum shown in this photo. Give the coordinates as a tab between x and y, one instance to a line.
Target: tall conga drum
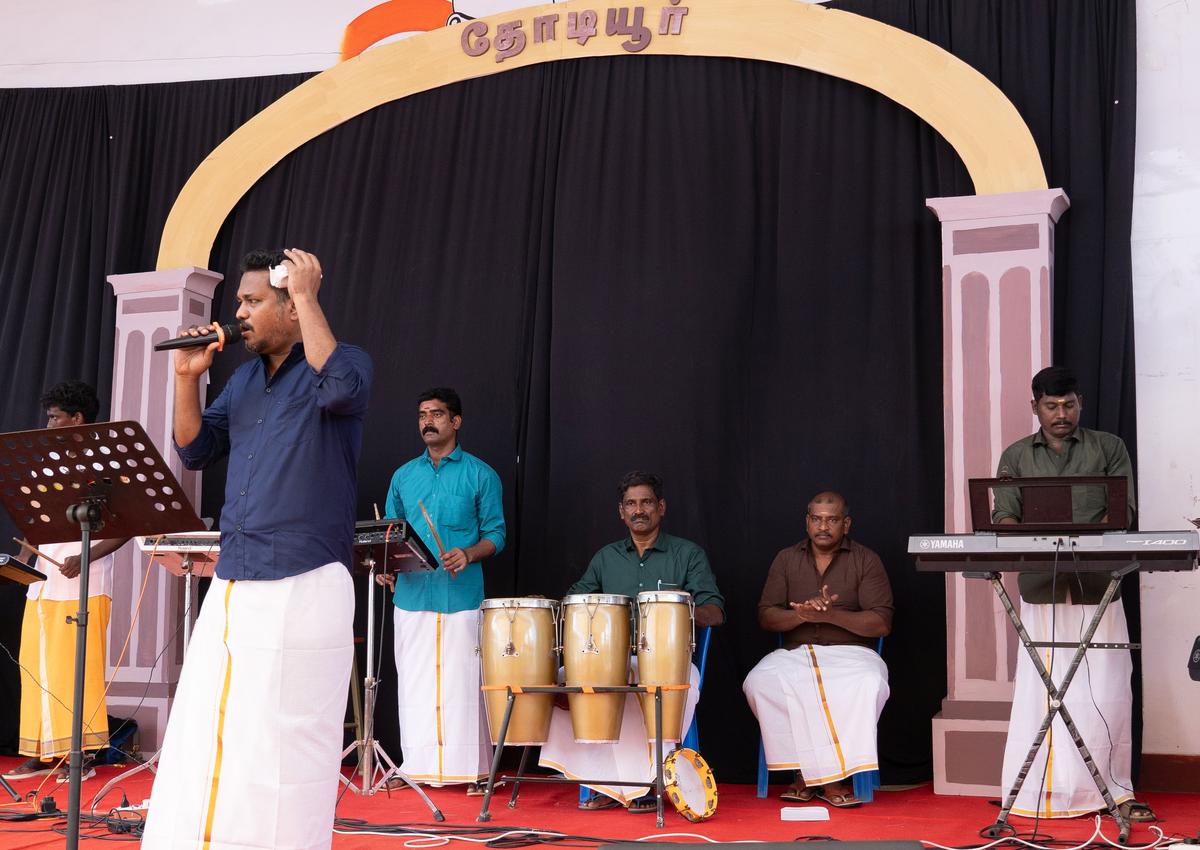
596	644
665	639
518	645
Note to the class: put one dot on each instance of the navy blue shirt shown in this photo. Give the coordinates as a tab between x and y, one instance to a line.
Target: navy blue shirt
293	440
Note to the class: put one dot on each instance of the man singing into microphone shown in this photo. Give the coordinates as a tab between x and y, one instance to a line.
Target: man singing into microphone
253	748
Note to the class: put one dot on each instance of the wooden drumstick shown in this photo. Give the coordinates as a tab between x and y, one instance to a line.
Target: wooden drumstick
436	538
37	552
375	505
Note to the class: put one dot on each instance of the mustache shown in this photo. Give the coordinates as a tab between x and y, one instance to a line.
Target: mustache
636	517
429	429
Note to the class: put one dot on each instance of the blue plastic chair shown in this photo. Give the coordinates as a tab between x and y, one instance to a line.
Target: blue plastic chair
865	782
692	738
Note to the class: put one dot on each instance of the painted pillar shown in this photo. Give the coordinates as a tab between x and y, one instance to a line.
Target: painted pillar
150	308
997	274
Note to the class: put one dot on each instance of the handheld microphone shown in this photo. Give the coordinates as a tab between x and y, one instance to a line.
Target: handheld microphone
231	332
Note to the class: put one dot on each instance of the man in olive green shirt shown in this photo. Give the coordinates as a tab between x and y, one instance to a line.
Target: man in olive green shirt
1099	699
647	560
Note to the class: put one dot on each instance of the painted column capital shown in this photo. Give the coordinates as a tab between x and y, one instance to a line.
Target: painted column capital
997	276
151	306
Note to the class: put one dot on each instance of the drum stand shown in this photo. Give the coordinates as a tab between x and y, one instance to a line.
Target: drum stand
512	692
371	772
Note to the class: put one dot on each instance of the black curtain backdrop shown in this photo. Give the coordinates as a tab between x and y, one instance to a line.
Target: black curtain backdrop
720	270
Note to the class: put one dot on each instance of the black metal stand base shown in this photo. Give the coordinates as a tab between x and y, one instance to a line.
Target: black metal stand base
1057	694
485	816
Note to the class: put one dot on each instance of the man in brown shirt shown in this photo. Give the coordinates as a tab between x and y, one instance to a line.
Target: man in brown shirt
818	698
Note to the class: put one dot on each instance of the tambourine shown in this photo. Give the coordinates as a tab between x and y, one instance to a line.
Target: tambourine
690	784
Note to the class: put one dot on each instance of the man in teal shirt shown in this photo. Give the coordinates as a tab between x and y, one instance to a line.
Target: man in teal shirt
647	560
453	501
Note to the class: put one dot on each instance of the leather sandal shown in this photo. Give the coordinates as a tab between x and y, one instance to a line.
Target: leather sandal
840	801
644	805
1136	812
599	802
796	794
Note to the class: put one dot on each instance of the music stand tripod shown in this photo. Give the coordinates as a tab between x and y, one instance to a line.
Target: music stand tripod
15	571
101	480
372	541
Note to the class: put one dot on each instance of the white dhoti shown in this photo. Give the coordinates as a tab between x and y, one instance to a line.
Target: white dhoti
253	748
443	732
631	759
817	708
1099	701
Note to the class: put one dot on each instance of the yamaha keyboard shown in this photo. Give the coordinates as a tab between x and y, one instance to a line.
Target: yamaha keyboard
987	551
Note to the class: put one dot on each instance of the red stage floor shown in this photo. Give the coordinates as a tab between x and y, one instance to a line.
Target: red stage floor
915	814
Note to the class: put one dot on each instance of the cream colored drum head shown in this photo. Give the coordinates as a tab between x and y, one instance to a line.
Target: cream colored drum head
664	596
690	785
596	599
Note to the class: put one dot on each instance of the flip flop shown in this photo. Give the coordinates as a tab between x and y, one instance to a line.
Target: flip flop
479	789
841	801
599	802
643	805
798	795
1136	812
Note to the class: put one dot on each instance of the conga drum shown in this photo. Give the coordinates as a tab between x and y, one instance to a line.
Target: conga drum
596	644
665	639
518	645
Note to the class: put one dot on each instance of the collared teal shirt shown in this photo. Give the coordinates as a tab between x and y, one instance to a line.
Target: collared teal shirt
672	563
465	501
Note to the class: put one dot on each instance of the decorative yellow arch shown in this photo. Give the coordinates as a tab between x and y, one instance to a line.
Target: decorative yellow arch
973	115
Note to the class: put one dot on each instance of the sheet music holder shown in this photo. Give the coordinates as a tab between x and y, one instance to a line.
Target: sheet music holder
382	546
88	482
392	546
17	572
1046	504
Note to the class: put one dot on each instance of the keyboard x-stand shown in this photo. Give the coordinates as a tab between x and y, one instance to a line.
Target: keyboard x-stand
986	555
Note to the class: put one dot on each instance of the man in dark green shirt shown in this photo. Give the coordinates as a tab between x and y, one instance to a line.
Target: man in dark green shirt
647	560
1058	784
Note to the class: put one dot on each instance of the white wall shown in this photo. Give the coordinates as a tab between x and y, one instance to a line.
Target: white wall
95	42
1166	291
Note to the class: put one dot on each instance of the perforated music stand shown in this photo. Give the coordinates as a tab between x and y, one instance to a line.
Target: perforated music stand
102	481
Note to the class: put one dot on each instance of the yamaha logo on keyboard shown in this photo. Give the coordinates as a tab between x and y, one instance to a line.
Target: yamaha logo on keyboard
952	543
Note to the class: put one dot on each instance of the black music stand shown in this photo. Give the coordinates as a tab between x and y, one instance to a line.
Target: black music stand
101	480
1046	504
1049	501
382	546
